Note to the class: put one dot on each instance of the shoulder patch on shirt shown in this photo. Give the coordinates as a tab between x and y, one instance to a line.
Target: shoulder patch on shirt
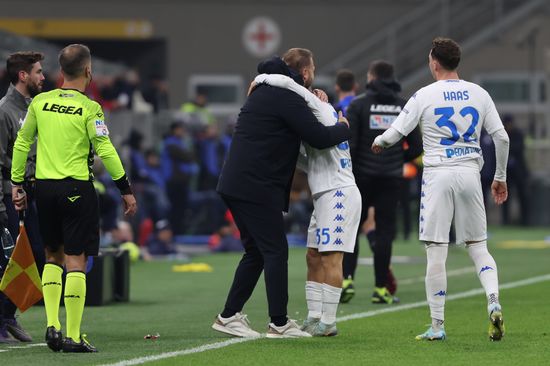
381	121
101	128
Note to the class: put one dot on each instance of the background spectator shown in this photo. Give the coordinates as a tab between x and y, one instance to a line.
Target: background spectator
517	173
178	167
196	112
162	240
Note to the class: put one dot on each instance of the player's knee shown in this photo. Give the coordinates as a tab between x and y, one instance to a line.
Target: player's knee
437	256
332	260
313	258
476	244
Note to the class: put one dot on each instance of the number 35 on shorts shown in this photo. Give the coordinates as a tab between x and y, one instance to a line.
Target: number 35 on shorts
323	234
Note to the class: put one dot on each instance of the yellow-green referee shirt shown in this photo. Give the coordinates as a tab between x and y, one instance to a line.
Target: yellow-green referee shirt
67	124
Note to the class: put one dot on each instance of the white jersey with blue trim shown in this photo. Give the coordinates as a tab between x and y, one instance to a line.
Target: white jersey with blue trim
451	114
326	169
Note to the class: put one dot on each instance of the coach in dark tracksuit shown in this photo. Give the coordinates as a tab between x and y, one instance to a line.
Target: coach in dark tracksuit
379	177
24	70
256	179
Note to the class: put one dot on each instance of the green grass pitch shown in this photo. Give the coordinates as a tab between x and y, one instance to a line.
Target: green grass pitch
182	306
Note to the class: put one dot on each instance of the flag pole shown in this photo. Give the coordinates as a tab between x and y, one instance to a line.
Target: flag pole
21	192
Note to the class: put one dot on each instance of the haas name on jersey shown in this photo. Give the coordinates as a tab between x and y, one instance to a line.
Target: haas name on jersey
62	109
456	95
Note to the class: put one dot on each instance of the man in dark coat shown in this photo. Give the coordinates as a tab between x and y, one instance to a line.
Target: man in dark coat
255	184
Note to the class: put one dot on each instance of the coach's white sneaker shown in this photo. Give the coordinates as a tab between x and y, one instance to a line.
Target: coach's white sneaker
289	330
238	325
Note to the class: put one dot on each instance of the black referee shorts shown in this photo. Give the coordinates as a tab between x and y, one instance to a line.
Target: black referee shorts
68	215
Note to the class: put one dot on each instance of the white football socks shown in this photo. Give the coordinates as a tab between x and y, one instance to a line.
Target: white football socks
436	282
331	299
314	299
486	269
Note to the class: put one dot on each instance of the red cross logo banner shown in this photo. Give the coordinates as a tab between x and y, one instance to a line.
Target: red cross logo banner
261	37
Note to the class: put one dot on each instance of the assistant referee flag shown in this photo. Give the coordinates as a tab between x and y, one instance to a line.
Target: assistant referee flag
21	281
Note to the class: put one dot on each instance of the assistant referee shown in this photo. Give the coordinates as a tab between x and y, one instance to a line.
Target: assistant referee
69	127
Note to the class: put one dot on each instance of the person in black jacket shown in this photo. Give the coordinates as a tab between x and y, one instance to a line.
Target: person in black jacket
255	184
24	70
379	177
517	172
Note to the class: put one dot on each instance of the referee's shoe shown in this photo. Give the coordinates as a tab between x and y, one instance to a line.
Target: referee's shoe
70	346
54	339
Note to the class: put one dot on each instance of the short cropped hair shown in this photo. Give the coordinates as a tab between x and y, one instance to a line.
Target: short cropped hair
446	52
345	79
21	61
381	69
298	58
73	60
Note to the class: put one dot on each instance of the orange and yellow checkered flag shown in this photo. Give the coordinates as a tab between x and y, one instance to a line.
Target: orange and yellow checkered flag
21	281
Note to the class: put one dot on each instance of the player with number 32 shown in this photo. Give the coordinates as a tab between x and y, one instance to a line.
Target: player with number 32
452	113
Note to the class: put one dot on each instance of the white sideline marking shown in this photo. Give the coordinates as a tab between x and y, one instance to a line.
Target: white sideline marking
397	259
207	347
451	273
25	346
28	345
460	295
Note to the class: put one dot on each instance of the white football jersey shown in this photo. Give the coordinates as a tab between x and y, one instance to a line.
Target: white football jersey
327	169
451	114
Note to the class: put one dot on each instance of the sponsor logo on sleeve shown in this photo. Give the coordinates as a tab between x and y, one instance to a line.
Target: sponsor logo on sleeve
381	121
101	128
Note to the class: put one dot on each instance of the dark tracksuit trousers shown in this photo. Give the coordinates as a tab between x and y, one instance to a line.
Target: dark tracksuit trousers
266	249
383	194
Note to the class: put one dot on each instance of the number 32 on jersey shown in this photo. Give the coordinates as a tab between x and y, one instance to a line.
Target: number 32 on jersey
446	114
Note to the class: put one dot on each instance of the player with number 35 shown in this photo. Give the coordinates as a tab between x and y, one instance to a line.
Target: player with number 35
452	113
335	218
